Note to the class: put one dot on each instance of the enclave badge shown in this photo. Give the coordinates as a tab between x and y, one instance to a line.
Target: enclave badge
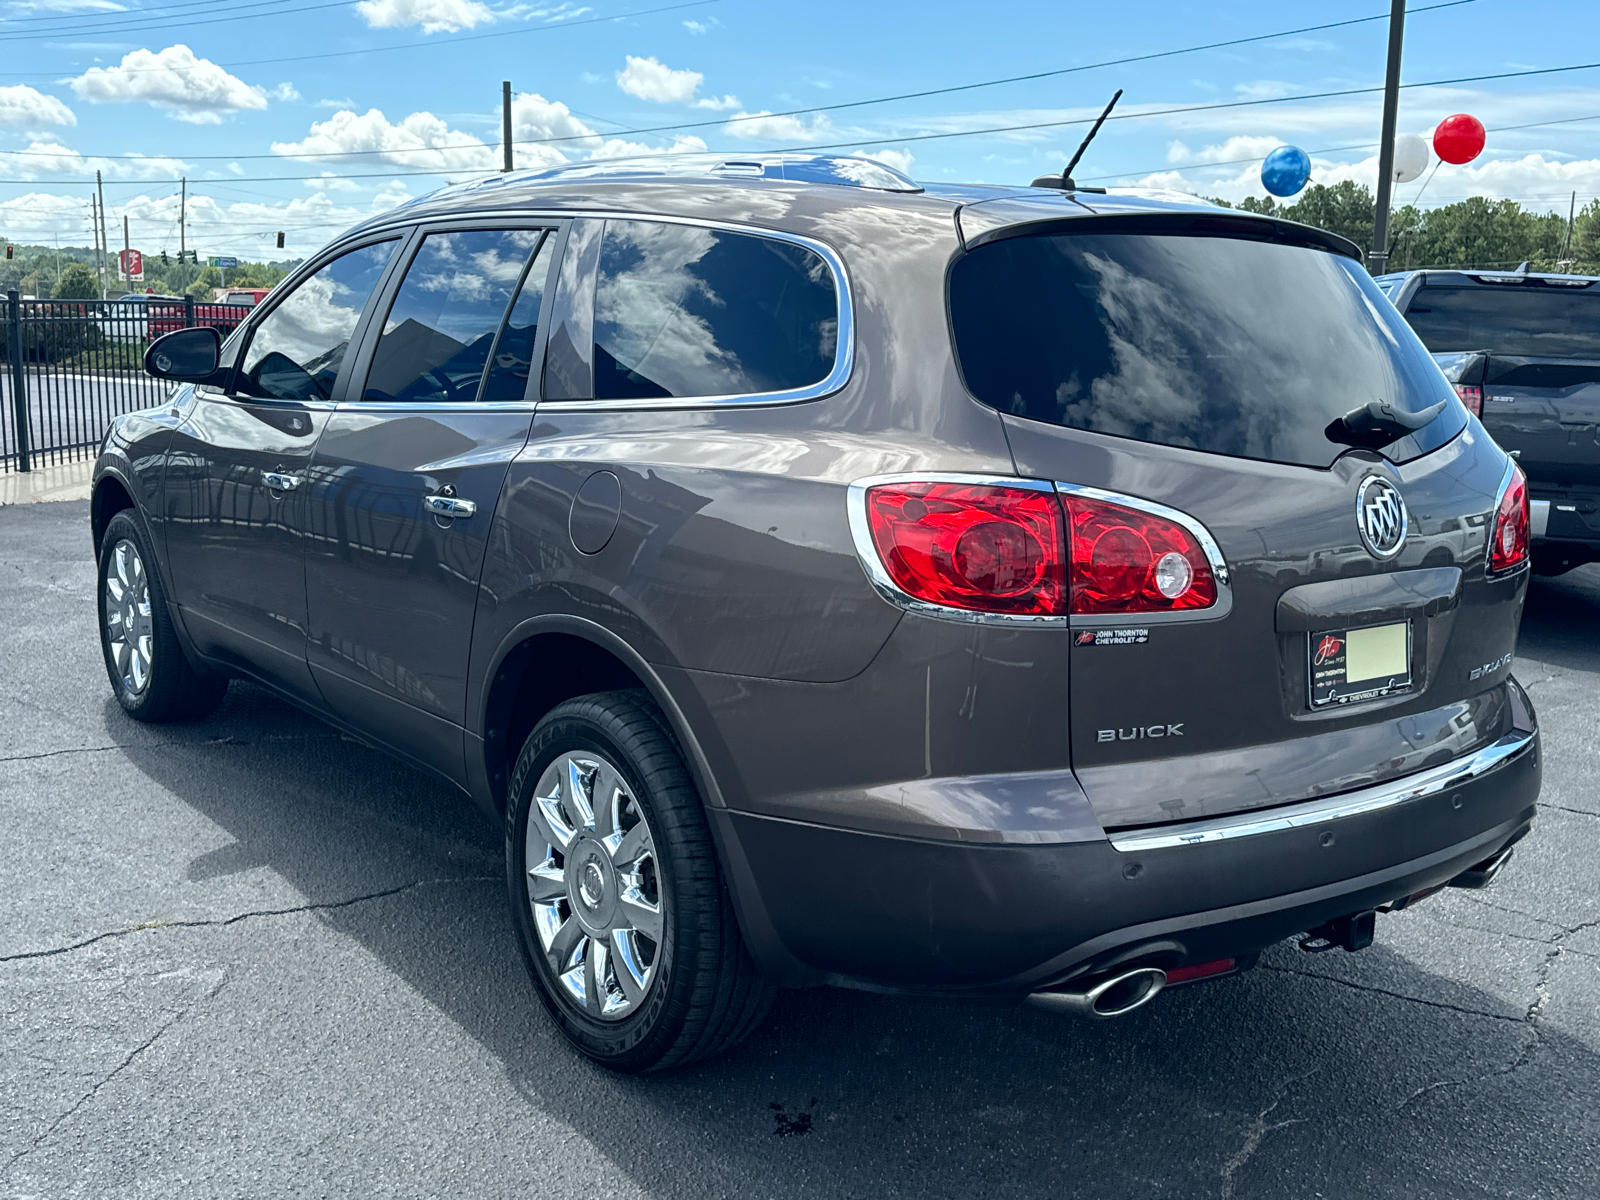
1381	517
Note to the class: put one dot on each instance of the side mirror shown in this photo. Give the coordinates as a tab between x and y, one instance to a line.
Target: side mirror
185	355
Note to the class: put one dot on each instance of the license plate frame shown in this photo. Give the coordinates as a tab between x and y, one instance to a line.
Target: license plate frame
1327	663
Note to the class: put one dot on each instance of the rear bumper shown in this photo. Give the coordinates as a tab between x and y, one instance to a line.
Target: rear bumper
825	904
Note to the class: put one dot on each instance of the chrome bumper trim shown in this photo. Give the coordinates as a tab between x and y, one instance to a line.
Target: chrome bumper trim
1333	808
1538	518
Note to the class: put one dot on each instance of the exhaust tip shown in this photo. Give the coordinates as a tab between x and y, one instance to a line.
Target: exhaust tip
1482	875
1114	996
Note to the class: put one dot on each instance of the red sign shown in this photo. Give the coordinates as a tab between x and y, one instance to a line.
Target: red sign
1326	649
132	265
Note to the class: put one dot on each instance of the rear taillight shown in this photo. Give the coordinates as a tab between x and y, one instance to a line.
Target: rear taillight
1472	397
980	547
1508	542
1125	560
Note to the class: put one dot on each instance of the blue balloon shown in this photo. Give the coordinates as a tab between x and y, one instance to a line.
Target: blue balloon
1285	171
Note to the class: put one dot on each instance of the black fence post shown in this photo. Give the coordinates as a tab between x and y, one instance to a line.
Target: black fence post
188	312
19	379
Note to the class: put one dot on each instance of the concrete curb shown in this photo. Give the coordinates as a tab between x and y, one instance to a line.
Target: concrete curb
64	481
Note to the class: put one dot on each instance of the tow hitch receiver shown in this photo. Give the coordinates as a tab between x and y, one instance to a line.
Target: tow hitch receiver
1348	933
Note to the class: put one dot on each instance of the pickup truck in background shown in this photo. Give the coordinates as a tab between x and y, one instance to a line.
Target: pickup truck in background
1523	351
222	314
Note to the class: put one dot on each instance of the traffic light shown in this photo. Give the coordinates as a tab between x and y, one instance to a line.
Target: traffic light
164	258
11	251
280	239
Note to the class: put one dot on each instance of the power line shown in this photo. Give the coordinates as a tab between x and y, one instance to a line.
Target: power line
412	45
187	23
74	21
823	108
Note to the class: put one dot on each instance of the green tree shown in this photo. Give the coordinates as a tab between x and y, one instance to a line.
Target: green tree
78	282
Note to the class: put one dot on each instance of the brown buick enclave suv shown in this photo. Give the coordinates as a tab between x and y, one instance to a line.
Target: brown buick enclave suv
827	579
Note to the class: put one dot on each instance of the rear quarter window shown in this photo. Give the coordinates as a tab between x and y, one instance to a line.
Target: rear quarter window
1226	345
689	311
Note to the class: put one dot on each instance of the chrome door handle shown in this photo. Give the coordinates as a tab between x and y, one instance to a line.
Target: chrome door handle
448	506
280	482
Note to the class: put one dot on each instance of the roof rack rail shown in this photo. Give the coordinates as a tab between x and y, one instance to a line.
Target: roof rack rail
839	169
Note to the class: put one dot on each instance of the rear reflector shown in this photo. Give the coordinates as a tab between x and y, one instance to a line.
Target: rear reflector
1205	970
1508	543
1127	561
979	547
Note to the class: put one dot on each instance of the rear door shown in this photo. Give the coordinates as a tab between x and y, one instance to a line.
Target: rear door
407	476
1186	388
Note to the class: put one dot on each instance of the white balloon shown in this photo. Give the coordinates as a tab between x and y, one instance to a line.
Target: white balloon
1410	157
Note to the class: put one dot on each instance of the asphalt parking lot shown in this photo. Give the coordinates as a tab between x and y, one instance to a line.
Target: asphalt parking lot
253	958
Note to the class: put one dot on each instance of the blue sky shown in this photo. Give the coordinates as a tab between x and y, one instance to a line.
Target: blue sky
273	108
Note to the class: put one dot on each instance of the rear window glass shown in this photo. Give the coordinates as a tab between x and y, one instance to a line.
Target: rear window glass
681	310
1219	344
1514	319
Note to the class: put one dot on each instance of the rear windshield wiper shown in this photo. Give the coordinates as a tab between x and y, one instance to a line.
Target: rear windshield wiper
1377	423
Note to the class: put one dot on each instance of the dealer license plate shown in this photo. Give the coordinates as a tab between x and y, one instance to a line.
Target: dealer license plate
1351	665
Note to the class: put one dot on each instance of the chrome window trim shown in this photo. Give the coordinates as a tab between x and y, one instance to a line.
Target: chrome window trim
844	358
1220	607
844	341
867	553
1488	538
1333	808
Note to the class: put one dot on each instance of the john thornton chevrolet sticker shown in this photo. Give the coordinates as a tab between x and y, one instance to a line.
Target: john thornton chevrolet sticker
1111	637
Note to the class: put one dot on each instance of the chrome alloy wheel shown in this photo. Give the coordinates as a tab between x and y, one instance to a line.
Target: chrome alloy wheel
130	629
593	885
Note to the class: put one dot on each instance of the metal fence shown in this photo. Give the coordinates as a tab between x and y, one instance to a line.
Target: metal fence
70	366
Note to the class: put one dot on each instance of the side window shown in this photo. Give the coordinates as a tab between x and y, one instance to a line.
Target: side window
295	353
512	358
445	317
684	311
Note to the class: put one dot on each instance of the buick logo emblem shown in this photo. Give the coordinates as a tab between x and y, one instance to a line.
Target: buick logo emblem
1381	517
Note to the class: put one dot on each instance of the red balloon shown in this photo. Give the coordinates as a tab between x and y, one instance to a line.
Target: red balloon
1459	139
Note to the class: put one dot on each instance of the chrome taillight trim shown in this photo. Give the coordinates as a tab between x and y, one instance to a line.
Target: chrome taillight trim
867	551
1333	808
1493	526
1220	607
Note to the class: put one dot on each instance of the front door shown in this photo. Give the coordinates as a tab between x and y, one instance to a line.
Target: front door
234	491
403	488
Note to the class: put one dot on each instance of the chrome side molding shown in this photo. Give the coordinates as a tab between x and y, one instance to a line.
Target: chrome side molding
1332	808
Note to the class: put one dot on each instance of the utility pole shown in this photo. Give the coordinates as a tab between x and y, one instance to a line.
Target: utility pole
505	122
1378	259
126	245
183	244
1566	262
100	191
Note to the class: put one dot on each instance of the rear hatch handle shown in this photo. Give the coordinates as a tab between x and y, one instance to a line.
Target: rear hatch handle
1368	600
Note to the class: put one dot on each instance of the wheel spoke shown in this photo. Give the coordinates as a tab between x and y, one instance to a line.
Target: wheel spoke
567	938
119	560
547	822
631	974
122	652
594	976
578	805
606	788
114	585
546	883
640	913
628	848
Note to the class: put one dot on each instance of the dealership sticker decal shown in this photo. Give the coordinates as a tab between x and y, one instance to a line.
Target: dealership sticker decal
1111	637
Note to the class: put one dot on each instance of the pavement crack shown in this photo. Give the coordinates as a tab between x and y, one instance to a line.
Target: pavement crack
244	916
224	740
127	1061
1581	812
1364	987
1258	1131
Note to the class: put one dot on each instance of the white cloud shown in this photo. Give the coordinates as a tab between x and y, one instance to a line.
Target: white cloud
420	141
1228	151
900	160
333	183
764	127
649	79
174	80
43	158
618	148
700	28
534	119
24	106
435	16
285	92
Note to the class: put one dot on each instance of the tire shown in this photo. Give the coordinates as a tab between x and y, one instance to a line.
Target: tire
633	991
150	674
